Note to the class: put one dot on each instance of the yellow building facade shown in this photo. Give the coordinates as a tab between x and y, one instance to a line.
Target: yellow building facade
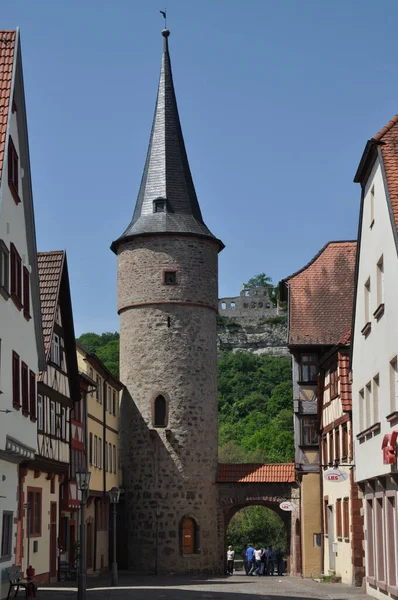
102	440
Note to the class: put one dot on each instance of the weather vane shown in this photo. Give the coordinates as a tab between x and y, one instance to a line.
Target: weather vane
164	13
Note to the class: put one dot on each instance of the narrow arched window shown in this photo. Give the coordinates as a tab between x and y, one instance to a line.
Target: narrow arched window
160	412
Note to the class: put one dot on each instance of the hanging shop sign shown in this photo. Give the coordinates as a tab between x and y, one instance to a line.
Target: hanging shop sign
335	475
288	506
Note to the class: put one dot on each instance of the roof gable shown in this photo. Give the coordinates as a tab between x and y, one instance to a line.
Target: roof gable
7	51
12	89
321	296
54	292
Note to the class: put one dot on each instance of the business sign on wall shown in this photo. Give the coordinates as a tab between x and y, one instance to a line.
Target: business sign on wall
288	506
335	475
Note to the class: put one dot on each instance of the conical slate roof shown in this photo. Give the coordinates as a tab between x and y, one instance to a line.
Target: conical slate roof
167	201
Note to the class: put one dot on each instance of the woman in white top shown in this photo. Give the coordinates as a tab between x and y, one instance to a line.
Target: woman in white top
257	557
230	560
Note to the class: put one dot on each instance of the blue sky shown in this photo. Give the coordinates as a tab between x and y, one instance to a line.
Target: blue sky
276	99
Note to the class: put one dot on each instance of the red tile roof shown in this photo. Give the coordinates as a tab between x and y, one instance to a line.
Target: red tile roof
256	473
389	136
345	338
7	47
321	296
50	271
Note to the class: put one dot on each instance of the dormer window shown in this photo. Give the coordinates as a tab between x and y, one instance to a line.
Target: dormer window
13	171
159	205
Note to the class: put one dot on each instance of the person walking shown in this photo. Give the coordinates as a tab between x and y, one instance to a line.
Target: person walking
230	560
257	560
271	561
263	562
244	559
250	559
279	561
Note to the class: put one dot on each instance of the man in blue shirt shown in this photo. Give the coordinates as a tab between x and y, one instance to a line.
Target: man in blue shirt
250	558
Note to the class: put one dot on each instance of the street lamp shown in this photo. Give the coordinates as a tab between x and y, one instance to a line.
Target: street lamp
114	494
83	482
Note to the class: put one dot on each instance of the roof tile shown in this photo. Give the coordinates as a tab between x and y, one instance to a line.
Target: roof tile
50	270
389	136
7	47
321	296
256	473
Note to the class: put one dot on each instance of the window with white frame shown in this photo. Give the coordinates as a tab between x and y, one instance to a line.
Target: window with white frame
40	412
114	459
375	399
106	456
110	457
52	417
114	402
372	206
393	385
55	350
368	405
99	458
91	374
380	281
361	411
367	300
95	455
63	423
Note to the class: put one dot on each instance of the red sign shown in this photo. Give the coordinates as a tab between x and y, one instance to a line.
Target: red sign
389	448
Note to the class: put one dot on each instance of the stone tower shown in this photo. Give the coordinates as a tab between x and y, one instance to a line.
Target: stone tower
167	301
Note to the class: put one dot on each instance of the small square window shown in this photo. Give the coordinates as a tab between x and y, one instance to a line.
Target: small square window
159	205
170	277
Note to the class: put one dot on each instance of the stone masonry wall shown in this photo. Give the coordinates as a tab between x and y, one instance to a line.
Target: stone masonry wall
260	338
168	347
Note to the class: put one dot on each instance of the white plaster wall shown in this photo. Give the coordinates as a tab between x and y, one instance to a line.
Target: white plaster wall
372	355
343	558
15	332
8	488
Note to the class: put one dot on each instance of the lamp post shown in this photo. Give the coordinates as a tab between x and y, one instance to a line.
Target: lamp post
114	495
83	482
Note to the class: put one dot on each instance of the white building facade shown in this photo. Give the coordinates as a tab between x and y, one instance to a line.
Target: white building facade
374	360
21	340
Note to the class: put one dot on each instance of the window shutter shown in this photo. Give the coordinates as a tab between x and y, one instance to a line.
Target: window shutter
32	394
16	399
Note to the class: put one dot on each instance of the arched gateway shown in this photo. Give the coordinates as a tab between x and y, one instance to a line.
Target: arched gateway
269	485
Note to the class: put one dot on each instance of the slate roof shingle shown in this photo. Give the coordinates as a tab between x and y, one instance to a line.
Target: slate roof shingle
256	473
7	48
321	296
50	271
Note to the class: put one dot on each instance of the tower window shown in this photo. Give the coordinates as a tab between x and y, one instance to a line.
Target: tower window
159	205
160	412
170	277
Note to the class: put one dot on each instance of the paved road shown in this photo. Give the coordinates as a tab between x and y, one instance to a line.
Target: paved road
236	587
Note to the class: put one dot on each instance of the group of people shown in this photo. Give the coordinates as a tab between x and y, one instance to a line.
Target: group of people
257	561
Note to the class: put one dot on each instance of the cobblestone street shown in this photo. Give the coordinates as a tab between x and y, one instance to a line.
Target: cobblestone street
237	587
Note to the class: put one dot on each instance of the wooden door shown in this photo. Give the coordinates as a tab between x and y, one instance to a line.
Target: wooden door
188	536
53	539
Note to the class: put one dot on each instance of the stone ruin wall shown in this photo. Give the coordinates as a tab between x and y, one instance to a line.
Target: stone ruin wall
245	324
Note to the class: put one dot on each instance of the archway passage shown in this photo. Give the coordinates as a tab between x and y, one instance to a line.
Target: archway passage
263	528
267	485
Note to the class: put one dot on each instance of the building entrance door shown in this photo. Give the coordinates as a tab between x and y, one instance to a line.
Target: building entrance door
53	540
188	536
332	561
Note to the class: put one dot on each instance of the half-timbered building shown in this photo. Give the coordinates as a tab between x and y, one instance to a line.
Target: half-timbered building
320	300
343	535
47	485
21	339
